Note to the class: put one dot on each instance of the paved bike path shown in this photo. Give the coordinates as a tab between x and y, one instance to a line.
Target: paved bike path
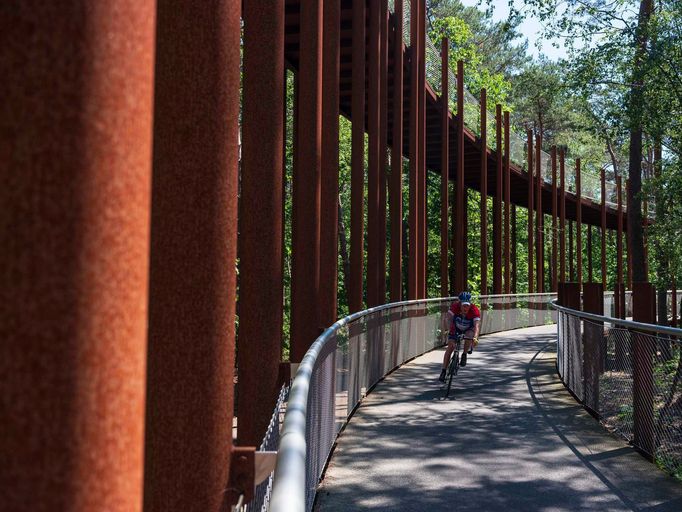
510	438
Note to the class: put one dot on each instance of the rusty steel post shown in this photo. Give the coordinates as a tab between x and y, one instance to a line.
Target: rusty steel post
673	302
531	273
373	150
396	180
562	218
507	205
603	227
260	243
539	238
383	151
514	262
579	224
644	345
76	124
305	324
619	288
555	270
571	266
444	166
357	228
589	253
497	205
414	188
594	350
484	193
460	246
422	149
191	287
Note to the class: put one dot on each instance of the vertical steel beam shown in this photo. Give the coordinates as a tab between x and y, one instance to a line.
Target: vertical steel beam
555	270
484	192
383	151
571	266
673	301
422	147
562	218
191	350
620	306
76	124
305	324
357	228
539	238
497	205
396	185
373	150
603	227
444	166
413	269
531	273
644	345
514	262
260	244
460	246
589	253
579	222
507	205
594	352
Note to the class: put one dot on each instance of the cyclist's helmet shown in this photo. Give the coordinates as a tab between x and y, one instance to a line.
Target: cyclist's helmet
465	298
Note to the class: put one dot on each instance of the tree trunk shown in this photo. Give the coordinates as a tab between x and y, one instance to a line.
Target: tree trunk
345	261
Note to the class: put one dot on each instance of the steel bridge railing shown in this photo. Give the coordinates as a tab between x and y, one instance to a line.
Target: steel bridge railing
350	358
627	374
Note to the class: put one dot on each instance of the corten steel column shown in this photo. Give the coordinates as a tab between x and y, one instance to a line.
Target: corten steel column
531	276
444	167
191	350
562	218
571	266
422	146
507	205
383	151
644	344
484	193
396	184
673	302
594	351
460	246
603	227
579	223
373	151
305	324
497	205
539	239
620	306
413	219
514	262
589	253
260	244
357	228
76	126
555	270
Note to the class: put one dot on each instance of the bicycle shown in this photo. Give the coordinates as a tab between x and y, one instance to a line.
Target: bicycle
453	365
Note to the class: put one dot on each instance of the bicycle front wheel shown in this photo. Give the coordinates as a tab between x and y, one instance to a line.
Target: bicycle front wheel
452	371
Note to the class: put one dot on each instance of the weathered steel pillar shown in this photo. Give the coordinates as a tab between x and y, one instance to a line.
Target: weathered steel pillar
619	242
673	302
603	227
396	180
413	291
460	246
571	265
260	243
579	223
373	151
594	350
76	125
539	238
444	167
562	218
305	324
422	147
555	270
484	192
507	205
514	262
190	359
497	205
589	253
531	277
357	228
383	151
644	345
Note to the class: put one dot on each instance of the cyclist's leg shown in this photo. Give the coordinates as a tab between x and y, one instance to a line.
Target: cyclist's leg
468	341
448	353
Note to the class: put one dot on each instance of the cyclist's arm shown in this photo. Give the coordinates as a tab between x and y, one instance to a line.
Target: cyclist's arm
477	326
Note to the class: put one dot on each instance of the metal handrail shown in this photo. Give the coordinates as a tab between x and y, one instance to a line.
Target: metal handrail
617	321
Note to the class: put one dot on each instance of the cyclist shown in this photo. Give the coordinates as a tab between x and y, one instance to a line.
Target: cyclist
464	318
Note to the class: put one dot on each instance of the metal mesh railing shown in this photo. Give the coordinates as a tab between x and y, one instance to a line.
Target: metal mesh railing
350	358
628	375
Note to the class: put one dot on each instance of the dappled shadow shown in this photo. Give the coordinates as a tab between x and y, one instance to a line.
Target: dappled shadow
511	438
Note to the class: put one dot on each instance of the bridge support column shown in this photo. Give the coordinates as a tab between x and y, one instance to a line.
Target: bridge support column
555	270
497	205
579	223
444	166
193	240
460	245
529	159
396	193
594	344
76	127
373	152
562	217
603	227
539	218
507	204
484	192
620	289
414	188
644	345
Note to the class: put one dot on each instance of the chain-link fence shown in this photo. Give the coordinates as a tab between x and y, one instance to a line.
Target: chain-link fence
628	375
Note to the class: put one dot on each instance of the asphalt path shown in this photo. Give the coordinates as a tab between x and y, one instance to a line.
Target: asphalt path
510	438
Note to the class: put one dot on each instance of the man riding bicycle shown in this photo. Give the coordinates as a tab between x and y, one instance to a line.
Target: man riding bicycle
464	318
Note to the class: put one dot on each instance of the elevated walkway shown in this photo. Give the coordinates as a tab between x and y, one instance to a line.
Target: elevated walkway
510	438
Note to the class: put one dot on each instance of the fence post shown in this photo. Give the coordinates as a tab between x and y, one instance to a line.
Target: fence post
569	296
643	298
594	344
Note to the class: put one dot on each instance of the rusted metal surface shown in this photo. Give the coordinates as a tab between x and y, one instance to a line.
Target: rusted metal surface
413	218
594	343
589	253
507	205
422	149
497	206
396	193
530	159
539	218
619	234
555	270
579	223
193	238
484	192
383	151
260	242
373	151
644	346
562	217
75	163
460	246
603	226
445	165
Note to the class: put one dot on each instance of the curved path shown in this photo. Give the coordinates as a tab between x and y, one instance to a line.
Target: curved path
511	439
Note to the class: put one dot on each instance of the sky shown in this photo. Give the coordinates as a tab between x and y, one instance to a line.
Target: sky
530	28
